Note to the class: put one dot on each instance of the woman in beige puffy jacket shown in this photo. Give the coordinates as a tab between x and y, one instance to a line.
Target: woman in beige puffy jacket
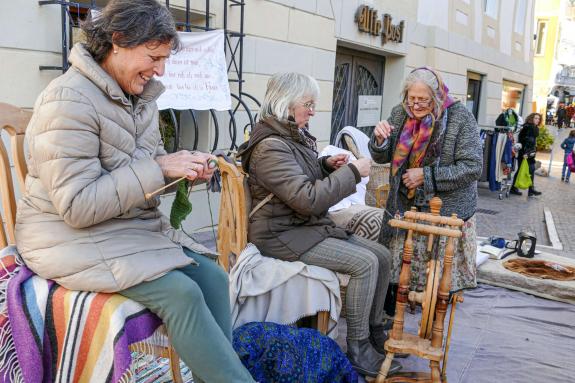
94	152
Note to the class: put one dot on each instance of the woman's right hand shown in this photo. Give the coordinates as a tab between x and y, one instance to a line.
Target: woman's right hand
184	163
382	131
362	165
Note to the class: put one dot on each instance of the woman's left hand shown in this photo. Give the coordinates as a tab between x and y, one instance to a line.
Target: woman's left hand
413	178
337	161
205	160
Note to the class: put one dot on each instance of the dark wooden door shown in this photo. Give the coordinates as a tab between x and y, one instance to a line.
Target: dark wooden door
356	73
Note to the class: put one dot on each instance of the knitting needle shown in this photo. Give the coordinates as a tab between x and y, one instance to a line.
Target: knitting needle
150	195
211	164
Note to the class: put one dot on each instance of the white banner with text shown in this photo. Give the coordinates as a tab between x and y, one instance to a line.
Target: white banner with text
196	77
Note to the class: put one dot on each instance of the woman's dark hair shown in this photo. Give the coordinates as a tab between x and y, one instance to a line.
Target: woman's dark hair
529	119
572	133
129	23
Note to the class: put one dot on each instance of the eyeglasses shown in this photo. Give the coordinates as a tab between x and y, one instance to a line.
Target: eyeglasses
421	104
310	105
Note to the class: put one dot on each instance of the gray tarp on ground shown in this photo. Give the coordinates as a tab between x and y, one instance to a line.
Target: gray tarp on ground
507	336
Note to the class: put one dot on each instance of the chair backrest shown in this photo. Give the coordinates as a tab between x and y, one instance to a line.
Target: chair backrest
14	121
233	218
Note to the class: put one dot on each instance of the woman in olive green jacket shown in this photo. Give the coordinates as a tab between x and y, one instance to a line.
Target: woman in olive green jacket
292	224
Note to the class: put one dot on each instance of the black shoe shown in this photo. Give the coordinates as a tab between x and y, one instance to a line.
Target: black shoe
562	179
533	193
515	191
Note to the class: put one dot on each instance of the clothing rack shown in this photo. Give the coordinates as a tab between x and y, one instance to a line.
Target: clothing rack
498	161
500	129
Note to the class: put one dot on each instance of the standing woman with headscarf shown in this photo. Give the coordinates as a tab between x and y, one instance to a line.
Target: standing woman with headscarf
432	143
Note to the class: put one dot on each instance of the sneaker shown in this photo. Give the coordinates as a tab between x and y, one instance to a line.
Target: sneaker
533	193
515	191
562	179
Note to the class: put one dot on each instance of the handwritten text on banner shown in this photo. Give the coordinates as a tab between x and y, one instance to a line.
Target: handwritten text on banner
196	77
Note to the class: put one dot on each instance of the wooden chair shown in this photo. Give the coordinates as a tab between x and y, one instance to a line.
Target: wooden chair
233	224
428	343
14	121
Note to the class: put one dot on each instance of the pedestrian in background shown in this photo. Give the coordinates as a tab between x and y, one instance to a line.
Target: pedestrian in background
561	114
528	140
567	145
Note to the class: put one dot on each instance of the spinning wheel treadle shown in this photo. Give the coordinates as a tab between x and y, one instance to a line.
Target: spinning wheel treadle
428	344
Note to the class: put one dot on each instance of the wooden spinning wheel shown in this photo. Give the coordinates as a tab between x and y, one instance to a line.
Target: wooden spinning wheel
428	343
428	298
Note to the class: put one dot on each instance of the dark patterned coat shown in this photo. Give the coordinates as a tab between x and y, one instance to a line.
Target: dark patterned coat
451	166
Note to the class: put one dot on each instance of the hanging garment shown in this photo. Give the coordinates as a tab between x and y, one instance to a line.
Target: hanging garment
507	118
486	155
501	142
507	158
493	184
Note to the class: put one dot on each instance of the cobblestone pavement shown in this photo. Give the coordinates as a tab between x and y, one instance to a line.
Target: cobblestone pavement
507	217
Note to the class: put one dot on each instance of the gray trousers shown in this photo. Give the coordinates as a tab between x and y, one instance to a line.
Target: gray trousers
368	263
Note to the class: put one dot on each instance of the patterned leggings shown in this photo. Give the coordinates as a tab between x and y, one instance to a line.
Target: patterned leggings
368	264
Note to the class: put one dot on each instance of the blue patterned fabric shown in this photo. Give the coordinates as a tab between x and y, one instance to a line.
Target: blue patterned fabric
285	354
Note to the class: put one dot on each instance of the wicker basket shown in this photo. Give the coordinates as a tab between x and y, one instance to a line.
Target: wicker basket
378	182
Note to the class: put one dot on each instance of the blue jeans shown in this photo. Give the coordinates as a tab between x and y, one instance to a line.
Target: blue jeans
194	304
566	173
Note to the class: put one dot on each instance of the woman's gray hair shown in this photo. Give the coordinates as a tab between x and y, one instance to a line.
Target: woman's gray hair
134	22
432	80
284	90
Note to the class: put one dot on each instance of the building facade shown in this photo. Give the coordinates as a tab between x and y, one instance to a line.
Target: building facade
554	54
359	51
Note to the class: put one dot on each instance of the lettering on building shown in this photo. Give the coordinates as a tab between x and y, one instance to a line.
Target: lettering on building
368	21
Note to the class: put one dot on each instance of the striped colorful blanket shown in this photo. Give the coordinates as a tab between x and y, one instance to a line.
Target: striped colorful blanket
51	334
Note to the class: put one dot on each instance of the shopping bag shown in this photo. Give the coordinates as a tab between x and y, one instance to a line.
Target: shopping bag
571	161
523	180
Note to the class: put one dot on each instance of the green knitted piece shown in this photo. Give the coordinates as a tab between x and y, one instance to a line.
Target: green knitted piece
182	207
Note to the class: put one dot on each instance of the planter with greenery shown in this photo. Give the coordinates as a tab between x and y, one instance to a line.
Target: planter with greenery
544	140
167	130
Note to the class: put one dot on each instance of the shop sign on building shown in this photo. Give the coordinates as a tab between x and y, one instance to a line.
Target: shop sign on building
368	110
368	21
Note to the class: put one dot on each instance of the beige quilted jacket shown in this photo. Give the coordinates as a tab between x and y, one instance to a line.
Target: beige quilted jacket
83	220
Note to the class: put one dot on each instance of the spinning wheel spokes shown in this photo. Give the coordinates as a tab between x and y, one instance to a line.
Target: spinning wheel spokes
432	275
